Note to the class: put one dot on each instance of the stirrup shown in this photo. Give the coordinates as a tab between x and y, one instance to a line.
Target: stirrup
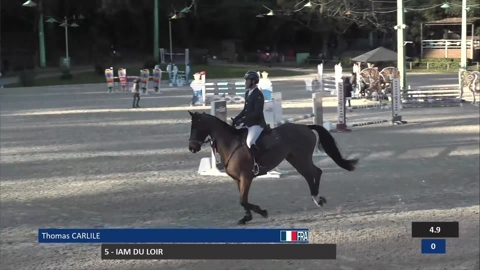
256	168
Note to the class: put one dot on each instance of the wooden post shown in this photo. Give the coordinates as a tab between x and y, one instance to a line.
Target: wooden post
446	48
471	45
421	42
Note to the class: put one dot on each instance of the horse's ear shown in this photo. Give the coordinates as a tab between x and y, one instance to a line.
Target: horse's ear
191	114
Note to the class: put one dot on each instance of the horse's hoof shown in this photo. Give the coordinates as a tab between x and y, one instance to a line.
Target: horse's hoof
244	220
264	213
314	199
321	200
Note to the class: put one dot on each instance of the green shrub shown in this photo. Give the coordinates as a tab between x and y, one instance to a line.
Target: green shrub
437	63
346	61
66	75
198	59
101	64
27	77
149	64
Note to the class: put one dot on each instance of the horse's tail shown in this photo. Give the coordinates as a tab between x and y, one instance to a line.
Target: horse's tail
330	146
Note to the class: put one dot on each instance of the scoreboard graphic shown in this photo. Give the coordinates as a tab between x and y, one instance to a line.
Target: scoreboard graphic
226	244
433	231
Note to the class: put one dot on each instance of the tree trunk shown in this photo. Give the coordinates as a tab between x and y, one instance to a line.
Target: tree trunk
342	45
325	39
197	30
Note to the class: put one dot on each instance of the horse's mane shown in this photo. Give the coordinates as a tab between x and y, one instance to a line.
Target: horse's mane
221	123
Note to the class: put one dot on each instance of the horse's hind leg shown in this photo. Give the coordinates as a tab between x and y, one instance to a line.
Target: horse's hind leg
318	175
244	188
311	173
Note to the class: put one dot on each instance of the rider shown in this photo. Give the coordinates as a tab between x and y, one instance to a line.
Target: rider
252	115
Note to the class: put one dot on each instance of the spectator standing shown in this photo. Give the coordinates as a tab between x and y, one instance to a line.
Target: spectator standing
347	88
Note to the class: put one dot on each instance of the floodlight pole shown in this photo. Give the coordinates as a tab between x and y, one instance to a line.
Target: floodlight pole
41	36
156	34
463	48
400	27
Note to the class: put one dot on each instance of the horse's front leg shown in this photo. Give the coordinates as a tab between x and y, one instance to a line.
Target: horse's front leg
244	188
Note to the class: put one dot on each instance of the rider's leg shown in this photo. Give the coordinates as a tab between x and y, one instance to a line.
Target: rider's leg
253	134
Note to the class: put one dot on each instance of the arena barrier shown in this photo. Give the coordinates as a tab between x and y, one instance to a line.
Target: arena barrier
432	97
273	113
212	165
124	83
232	92
396	106
176	77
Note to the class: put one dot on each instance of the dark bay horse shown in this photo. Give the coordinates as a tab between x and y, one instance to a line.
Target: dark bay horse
292	142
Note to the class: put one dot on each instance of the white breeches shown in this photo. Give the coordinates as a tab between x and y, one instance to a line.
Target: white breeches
253	134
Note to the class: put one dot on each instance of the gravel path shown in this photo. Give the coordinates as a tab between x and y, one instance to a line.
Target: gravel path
79	157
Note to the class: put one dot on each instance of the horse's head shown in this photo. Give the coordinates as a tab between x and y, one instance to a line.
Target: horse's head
199	131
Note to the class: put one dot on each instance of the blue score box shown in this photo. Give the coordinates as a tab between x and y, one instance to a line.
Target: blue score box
434	246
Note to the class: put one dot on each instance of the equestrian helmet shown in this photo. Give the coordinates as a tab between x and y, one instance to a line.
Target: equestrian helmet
252	75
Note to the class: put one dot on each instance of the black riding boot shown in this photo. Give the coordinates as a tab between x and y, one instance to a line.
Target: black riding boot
255	155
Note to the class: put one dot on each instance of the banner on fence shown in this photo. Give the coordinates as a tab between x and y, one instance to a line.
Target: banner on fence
109	77
157	78
144	76
122	77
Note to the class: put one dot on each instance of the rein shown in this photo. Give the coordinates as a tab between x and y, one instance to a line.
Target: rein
213	144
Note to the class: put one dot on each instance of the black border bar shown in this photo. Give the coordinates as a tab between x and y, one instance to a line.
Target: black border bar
219	251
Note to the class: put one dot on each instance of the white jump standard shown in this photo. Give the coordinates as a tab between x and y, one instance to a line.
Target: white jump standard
396	106
273	114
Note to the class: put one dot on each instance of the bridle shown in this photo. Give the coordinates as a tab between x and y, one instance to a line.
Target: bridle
209	140
213	145
212	142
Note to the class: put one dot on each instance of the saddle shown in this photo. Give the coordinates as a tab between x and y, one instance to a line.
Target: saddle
267	139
